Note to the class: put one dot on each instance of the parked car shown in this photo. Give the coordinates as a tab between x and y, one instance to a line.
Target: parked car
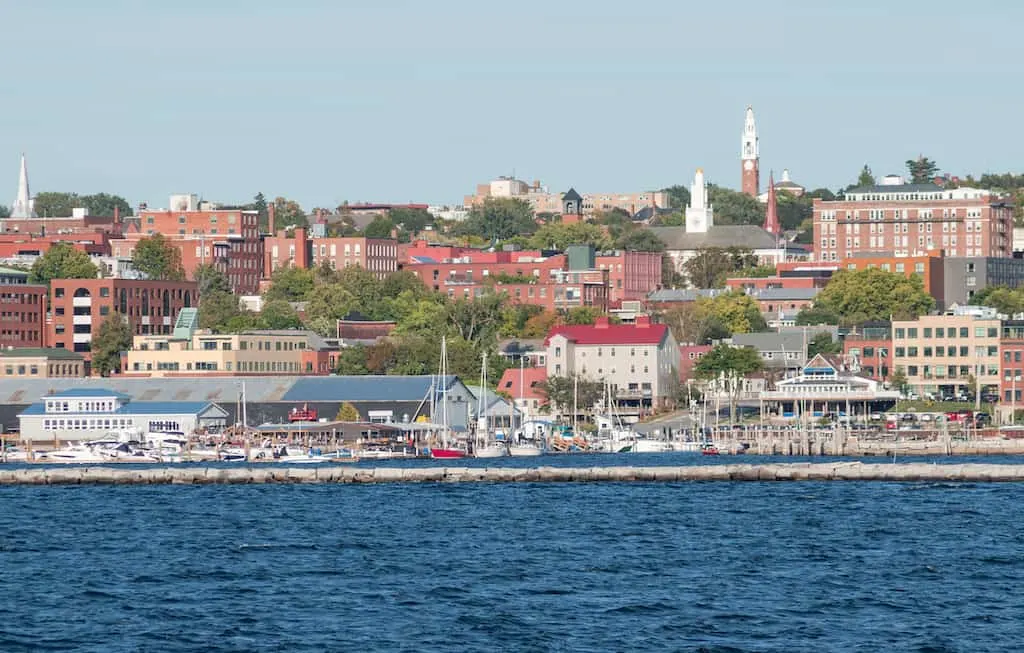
990	397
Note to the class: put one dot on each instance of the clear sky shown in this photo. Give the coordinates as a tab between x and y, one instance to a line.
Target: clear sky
410	100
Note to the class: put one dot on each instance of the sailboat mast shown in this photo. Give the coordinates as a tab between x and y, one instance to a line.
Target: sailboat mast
444	389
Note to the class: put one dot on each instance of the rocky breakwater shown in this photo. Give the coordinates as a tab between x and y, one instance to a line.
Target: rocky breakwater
846	471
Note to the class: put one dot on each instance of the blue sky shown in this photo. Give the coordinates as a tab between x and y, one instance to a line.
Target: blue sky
402	100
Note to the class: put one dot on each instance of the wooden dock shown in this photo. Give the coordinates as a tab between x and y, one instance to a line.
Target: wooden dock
245	474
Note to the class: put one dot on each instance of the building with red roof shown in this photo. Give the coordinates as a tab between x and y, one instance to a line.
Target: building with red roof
524	385
640	361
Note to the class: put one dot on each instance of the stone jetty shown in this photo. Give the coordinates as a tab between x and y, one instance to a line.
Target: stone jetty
259	474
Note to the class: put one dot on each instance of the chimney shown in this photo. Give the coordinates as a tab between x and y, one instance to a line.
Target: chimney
601	322
643	321
117	214
270	218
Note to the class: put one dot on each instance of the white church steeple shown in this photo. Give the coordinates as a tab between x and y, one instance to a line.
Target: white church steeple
750	156
24	206
699	214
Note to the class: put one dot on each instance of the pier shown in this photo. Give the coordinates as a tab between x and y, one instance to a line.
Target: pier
244	475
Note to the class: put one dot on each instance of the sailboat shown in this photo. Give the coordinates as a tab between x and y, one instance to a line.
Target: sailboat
446	450
521	446
485	446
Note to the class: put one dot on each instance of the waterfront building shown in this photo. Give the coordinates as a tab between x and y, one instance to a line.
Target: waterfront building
79	306
946	354
868	348
525	386
1011	365
91	413
196	352
39	363
898	219
823	388
639	361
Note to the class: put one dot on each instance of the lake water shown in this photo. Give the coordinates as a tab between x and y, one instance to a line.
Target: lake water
532	567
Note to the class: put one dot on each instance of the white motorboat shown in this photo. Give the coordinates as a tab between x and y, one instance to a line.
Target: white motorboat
74	453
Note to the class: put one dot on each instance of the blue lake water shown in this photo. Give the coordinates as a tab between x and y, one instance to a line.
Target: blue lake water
532	567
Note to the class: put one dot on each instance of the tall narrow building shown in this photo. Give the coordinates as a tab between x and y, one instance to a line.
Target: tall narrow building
23	205
749	154
771	212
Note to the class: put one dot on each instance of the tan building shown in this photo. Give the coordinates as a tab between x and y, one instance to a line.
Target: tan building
899	219
640	361
544	201
940	355
39	363
202	353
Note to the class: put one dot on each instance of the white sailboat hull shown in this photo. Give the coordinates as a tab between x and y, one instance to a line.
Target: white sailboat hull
524	450
491	451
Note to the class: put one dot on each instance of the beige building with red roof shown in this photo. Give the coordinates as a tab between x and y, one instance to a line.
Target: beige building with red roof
640	361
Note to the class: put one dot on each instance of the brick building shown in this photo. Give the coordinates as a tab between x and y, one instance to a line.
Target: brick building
896	219
631	275
1011	364
26	248
689	356
79	306
22	314
378	255
228	239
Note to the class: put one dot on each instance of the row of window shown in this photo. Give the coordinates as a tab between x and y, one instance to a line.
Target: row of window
944	371
949	352
90	424
947	332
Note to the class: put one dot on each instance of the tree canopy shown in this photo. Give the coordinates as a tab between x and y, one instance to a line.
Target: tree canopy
922	170
734	207
113	336
5	211
866	178
679	196
287	213
62	261
706	319
711	266
50	204
873	294
209	279
1005	300
157	258
823	343
498	218
728	366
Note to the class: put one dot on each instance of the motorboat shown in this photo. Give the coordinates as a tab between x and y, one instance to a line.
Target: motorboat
74	453
493	450
447	453
524	450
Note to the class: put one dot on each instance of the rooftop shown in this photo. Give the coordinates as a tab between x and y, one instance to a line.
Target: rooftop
734	235
40	352
612	334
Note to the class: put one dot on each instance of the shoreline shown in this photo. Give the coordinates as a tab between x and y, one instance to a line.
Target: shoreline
841	471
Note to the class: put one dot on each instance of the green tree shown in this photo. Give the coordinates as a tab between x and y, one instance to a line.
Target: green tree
290	284
898	381
736	311
113	337
5	211
210	279
412	220
498	218
559	235
582	315
816	315
922	170
279	314
640	240
711	266
380	227
259	204
727	366
288	213
329	301
563	392
734	207
157	258
822	343
866	178
678	195
105	204
352	361
477	319
216	310
62	261
873	294
56	205
1005	300
694	322
793	211
347	413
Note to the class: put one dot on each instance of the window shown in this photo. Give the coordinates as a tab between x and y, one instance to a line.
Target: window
940	332
927	333
912	332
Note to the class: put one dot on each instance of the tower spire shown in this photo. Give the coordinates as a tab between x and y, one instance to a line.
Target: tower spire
771	214
23	204
750	155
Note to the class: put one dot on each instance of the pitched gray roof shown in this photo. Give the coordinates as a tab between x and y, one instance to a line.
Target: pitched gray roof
683	294
734	235
772	341
785	294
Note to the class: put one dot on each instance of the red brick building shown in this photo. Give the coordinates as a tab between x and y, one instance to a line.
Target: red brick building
689	356
14	245
873	353
631	275
1011	364
226	238
22	314
899	220
79	306
378	255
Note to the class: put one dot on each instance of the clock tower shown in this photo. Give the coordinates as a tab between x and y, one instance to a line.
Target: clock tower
751	180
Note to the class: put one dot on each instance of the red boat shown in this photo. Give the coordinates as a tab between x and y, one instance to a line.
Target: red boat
709	450
304	414
447	453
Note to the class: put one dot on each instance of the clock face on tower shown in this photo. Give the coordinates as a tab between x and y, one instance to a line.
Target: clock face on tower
748	165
